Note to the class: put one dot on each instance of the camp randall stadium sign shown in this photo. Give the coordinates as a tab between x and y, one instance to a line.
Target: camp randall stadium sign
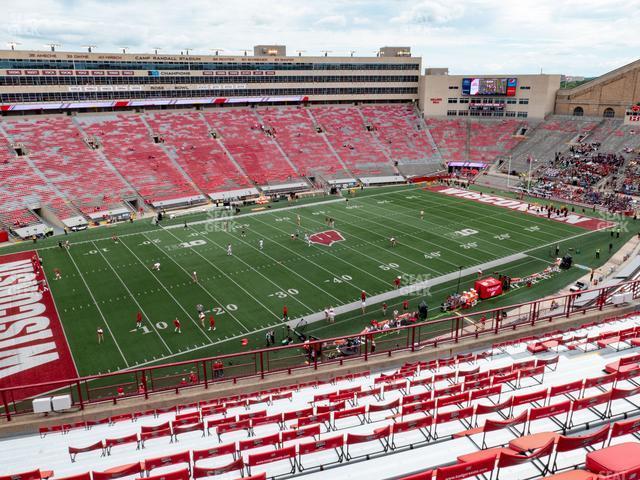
582	221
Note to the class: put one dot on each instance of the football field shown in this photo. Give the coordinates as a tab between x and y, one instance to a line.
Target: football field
106	282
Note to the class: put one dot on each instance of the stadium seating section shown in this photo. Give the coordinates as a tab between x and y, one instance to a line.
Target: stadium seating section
57	150
128	144
562	406
188	139
251	145
168	155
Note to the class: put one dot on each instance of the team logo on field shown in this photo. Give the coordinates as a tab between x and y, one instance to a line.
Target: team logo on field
328	237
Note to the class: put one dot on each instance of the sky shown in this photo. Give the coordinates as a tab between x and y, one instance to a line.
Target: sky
572	37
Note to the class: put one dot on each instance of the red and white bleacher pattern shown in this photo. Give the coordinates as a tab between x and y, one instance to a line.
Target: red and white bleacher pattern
21	188
450	135
400	132
296	133
490	140
247	141
345	129
507	412
129	146
189	138
57	149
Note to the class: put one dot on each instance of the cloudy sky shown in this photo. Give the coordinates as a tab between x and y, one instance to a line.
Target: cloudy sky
577	37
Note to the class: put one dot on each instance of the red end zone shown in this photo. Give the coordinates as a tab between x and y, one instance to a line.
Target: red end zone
33	347
588	223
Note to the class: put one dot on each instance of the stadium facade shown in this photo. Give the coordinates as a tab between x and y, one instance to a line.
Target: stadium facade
37	81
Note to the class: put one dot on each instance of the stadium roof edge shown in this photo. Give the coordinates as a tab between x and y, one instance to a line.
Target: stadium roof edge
77	55
601	78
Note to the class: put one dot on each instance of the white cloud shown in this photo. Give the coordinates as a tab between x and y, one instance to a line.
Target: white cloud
430	12
332	21
585	37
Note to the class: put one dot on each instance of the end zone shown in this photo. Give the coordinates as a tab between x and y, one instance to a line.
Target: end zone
581	221
33	346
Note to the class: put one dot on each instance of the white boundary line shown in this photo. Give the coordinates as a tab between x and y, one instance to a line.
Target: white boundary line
225	274
98	307
202	287
495	215
295	298
132	296
55	307
283	265
328	252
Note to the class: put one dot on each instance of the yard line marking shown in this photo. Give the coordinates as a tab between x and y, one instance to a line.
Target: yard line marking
442	247
327	252
165	254
477	218
98	307
236	257
467	203
393	253
225	274
290	269
360	315
132	296
295	321
404	188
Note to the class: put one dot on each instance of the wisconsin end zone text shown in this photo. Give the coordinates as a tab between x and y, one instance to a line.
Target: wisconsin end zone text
33	347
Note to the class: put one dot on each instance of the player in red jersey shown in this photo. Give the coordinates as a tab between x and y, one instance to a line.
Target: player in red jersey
285	313
176	324
405	305
212	323
139	319
396	282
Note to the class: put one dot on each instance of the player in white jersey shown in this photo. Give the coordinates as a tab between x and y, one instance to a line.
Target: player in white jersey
260	244
229	250
307	239
156	266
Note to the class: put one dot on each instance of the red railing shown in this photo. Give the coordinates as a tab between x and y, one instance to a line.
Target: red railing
321	354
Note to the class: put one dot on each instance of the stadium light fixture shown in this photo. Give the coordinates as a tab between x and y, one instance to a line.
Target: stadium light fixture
459	278
124	49
155	50
52	46
351	53
216	51
187	50
300	52
326	52
89	47
13	45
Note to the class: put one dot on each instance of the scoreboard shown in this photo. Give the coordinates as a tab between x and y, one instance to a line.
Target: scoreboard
489	86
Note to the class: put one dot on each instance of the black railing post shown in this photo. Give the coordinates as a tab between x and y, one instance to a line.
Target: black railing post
6	406
80	395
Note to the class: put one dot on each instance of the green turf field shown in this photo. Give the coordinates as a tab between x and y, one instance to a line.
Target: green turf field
104	283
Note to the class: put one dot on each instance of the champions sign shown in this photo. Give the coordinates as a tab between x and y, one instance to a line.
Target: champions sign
33	348
588	223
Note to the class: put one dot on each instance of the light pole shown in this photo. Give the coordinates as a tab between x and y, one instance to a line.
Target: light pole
459	278
529	182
